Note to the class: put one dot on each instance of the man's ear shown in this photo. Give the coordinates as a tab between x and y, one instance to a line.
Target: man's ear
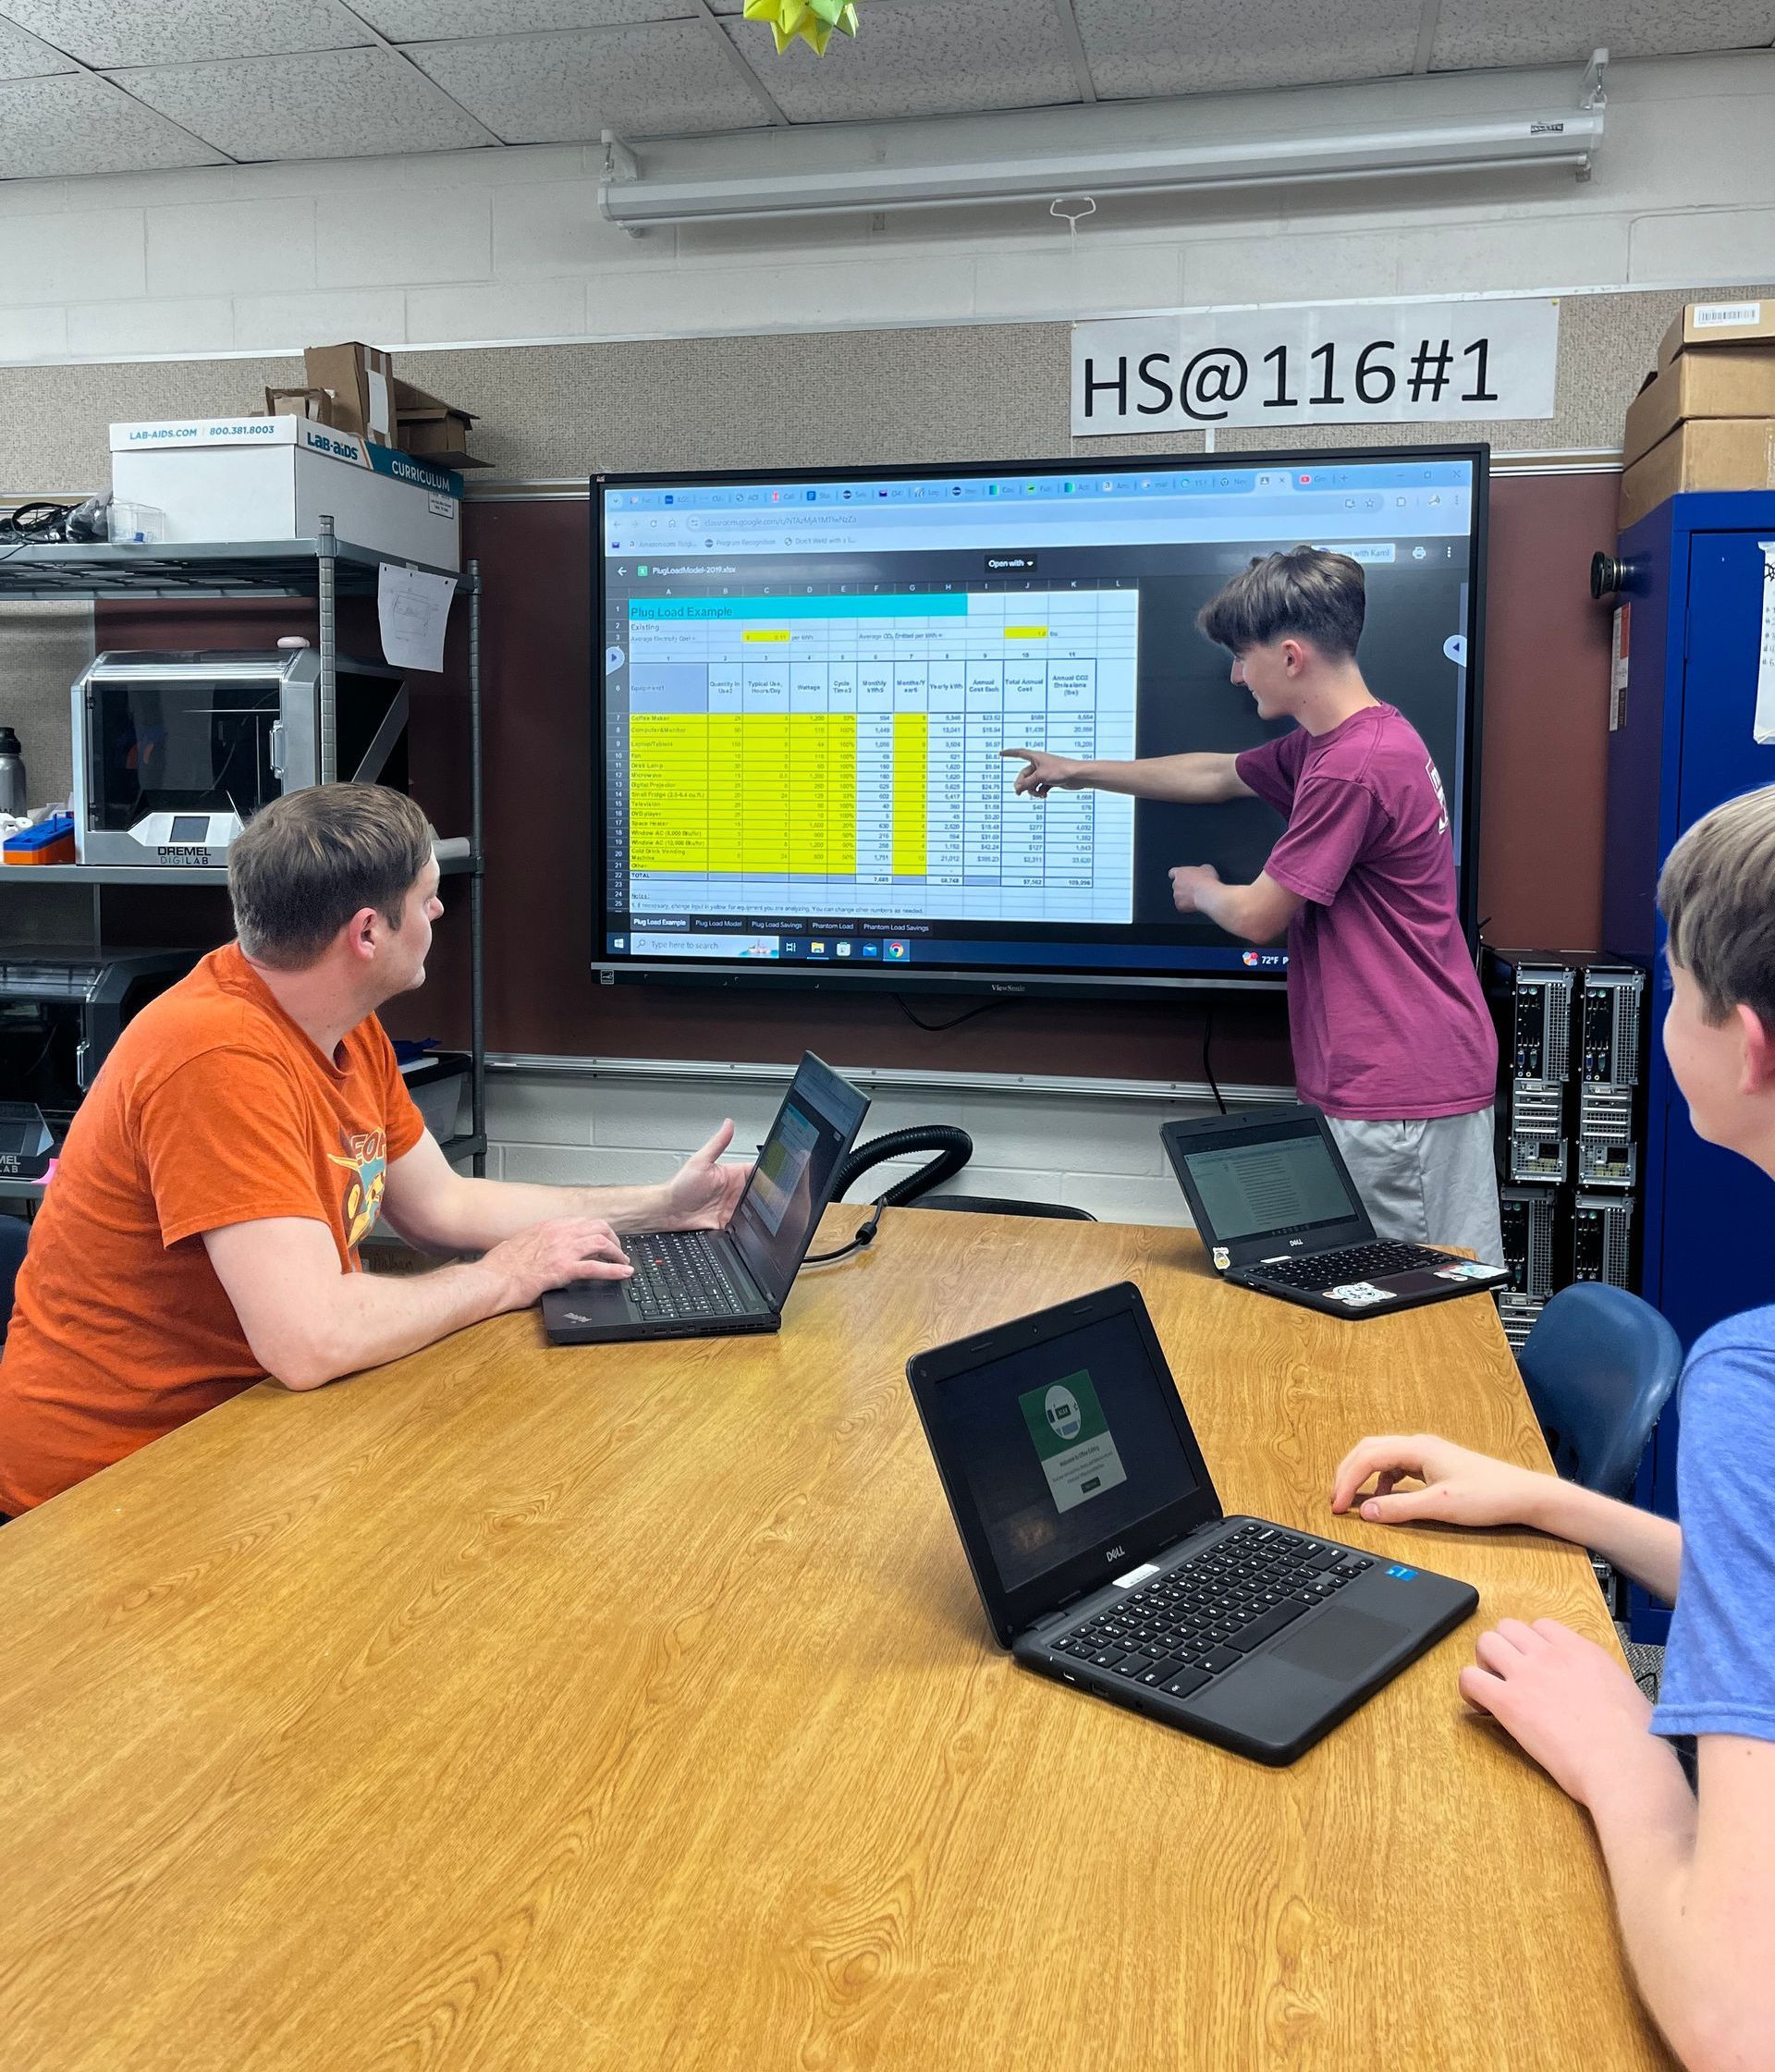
1758	1050
360	932
1294	656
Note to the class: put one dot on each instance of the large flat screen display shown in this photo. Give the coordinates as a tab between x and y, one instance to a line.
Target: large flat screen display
805	682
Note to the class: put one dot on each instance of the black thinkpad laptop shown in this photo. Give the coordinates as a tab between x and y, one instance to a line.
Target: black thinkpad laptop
703	1284
1102	1556
1276	1210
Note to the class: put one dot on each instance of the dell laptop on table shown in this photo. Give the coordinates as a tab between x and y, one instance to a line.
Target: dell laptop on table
706	1283
1276	1210
1103	1557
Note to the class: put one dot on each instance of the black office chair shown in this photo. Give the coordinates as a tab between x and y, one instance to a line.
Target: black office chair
13	1233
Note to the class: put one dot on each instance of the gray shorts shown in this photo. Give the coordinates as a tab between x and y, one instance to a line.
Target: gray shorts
1428	1183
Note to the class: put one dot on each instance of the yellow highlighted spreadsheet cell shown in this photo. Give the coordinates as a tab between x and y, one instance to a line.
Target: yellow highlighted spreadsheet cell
757	635
764	792
1025	632
911	758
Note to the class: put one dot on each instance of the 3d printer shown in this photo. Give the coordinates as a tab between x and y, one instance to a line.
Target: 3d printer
174	753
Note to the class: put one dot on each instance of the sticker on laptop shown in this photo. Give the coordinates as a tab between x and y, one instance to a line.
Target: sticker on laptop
1222	1257
1360	1294
1468	1270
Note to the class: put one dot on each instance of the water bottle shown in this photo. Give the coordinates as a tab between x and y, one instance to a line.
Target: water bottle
12	775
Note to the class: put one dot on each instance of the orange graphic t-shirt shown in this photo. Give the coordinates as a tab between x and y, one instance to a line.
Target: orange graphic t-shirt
214	1109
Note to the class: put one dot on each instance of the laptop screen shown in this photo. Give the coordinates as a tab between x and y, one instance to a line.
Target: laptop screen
1284	1186
1064	1445
785	1199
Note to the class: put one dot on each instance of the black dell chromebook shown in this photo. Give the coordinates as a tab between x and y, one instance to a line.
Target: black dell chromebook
1276	1210
1103	1558
705	1283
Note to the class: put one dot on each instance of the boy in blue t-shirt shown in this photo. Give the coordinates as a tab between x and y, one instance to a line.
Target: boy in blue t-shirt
1693	1872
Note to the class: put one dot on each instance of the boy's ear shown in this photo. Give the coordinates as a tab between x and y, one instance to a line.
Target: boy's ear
1760	1050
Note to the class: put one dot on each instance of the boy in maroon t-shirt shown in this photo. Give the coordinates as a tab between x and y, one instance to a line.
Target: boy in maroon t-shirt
1391	1033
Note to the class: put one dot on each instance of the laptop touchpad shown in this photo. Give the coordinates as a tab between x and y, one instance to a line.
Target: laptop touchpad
1343	1642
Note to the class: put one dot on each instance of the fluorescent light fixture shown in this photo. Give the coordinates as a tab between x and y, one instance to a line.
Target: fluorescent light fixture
1084	161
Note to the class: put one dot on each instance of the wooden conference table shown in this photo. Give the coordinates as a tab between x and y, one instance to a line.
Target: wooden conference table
633	1707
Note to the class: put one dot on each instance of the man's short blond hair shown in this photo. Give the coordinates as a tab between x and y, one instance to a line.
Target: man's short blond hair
305	864
1716	894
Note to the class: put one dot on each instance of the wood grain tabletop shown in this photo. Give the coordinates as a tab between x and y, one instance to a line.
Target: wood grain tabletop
631	1706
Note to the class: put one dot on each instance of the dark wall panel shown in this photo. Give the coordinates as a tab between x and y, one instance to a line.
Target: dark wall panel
1540	820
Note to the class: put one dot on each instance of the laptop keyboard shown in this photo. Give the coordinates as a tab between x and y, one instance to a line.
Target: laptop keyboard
1205	1616
678	1277
1356	1262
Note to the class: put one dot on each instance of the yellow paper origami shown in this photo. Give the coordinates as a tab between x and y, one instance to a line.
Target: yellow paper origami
811	22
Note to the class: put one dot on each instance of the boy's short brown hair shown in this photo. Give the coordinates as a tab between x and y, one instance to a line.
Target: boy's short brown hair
305	864
1307	592
1716	894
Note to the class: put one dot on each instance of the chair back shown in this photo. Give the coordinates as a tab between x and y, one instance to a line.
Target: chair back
14	1231
1599	1365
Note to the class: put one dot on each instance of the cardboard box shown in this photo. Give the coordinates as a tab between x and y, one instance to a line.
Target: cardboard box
271	478
1706	325
1731	382
436	430
360	381
314	404
1708	453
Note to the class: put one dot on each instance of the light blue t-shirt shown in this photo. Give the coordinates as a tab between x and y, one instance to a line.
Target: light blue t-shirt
1720	1663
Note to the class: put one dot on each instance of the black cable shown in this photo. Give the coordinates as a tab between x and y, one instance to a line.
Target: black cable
936	1028
1208	1057
865	1238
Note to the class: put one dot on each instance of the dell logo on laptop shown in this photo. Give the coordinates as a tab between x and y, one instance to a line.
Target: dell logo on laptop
1116	1554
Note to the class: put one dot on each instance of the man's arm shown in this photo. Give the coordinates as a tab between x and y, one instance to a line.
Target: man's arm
1463	1487
1193	779
1256	912
307	1323
1694	1878
432	1206
1695	1885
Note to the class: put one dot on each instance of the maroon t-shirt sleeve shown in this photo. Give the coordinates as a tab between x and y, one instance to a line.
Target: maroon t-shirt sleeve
1329	827
1272	768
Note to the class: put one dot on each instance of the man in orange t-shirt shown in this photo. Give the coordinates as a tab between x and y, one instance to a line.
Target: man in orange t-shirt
244	1137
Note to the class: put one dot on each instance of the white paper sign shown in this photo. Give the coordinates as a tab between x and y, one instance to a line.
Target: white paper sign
1762	727
1386	363
412	609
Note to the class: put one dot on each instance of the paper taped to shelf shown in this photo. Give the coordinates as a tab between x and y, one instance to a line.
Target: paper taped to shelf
412	609
1762	727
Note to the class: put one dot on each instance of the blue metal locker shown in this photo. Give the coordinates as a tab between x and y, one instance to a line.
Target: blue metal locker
1693	586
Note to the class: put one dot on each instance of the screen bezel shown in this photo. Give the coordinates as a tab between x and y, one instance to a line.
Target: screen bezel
1010	1612
1256	1126
811	1072
1007	980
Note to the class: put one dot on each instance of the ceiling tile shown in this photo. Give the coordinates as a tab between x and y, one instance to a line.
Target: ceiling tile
660	79
186	31
919	60
1492	32
337	104
79	124
1139	48
23	57
414	21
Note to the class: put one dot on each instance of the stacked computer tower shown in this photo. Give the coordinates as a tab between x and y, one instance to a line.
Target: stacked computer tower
1571	1124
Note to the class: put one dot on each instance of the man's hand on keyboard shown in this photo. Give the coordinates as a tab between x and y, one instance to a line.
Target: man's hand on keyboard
702	1195
550	1255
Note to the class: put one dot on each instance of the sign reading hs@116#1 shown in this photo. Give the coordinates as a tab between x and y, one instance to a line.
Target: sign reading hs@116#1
1378	363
